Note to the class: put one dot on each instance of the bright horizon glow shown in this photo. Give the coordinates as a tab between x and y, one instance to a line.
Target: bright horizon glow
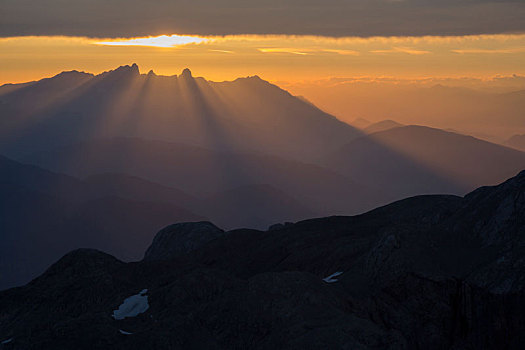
155	41
280	58
343	76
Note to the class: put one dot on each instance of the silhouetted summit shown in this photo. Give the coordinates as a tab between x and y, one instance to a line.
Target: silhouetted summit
131	70
186	73
179	239
427	272
232	116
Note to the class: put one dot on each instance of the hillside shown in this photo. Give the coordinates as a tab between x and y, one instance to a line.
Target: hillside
45	214
427	272
517	141
415	159
205	172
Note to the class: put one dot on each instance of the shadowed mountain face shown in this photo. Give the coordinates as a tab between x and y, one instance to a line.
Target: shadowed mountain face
114	212
517	141
205	172
415	159
247	114
428	272
44	214
381	126
76	121
367	172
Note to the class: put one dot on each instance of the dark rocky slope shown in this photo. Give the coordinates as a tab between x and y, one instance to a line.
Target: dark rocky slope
413	160
39	208
428	272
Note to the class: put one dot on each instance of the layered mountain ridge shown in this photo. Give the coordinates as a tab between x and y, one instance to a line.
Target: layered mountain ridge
103	161
248	113
112	211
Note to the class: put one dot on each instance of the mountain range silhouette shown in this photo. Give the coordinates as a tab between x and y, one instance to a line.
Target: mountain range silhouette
104	161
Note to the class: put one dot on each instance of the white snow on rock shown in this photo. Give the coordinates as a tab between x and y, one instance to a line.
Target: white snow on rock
7	341
124	332
331	279
132	306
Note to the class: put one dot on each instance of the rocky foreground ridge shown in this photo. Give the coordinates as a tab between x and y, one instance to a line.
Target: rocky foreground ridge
427	272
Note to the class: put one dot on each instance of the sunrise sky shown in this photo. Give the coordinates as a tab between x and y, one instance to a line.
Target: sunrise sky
274	57
303	46
285	40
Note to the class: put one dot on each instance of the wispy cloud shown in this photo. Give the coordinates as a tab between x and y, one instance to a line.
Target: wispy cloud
293	51
405	50
222	51
309	51
489	51
343	52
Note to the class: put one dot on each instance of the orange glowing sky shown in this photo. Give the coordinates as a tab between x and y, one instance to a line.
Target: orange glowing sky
345	76
282	58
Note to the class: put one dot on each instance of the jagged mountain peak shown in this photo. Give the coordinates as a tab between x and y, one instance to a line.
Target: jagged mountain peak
181	238
255	79
81	261
186	73
71	73
247	114
132	69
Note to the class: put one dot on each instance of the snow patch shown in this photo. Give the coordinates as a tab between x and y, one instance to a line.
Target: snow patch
124	332
331	279
132	306
7	341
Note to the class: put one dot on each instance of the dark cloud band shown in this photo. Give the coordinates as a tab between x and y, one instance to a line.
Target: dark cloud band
131	18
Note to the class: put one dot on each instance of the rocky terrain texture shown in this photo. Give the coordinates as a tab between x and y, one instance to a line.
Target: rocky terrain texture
427	272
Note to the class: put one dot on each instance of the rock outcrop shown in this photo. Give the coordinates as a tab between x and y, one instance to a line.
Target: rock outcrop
181	238
429	272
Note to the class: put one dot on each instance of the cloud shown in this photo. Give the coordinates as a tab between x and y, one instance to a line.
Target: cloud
406	50
141	18
494	83
221	51
343	52
309	51
489	51
283	50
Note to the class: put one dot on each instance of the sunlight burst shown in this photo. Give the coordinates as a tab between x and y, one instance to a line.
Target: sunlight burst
157	41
